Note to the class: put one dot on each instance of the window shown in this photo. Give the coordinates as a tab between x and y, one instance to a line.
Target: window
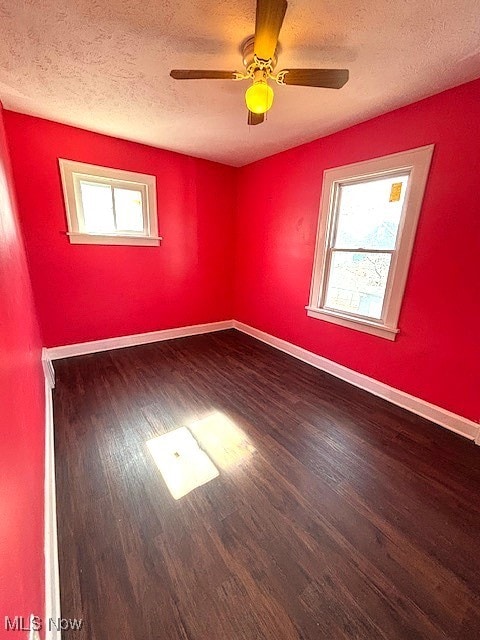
368	217
109	206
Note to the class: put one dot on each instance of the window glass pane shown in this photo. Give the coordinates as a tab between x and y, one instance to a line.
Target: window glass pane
357	282
129	210
97	207
369	213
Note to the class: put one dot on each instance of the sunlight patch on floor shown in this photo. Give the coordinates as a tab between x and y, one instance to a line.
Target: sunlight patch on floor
189	457
225	443
183	465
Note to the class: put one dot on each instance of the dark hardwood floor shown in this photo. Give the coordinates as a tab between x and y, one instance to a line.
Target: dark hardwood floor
334	514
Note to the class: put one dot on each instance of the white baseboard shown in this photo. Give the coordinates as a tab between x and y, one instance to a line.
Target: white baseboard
95	346
444	418
48	370
52	580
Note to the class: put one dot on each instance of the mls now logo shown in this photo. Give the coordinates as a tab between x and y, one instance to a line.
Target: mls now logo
35	623
19	623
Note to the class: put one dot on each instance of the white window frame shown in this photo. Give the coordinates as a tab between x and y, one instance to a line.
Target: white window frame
417	163
72	172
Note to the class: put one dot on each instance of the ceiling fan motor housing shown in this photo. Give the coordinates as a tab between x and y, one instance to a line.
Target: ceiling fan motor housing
249	55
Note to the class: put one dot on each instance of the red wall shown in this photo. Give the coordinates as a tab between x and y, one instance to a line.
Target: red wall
90	292
436	356
21	421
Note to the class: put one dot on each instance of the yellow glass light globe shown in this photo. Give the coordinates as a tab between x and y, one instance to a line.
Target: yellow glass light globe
259	97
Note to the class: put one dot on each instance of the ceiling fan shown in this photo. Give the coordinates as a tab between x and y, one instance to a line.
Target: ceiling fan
260	60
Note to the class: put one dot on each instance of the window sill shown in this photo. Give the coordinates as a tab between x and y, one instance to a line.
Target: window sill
91	238
380	330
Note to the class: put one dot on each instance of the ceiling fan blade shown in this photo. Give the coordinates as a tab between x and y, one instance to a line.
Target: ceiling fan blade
188	74
255	118
269	20
326	78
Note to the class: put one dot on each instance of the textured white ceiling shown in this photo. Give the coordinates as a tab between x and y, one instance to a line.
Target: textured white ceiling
104	65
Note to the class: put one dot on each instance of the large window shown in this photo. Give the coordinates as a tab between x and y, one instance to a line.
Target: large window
109	206
368	218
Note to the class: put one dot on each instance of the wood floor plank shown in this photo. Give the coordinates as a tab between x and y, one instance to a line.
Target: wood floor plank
334	514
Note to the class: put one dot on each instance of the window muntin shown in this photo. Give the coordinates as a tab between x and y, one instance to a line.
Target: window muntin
109	206
366	230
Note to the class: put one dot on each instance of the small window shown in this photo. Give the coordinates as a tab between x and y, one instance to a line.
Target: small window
368	218
109	206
